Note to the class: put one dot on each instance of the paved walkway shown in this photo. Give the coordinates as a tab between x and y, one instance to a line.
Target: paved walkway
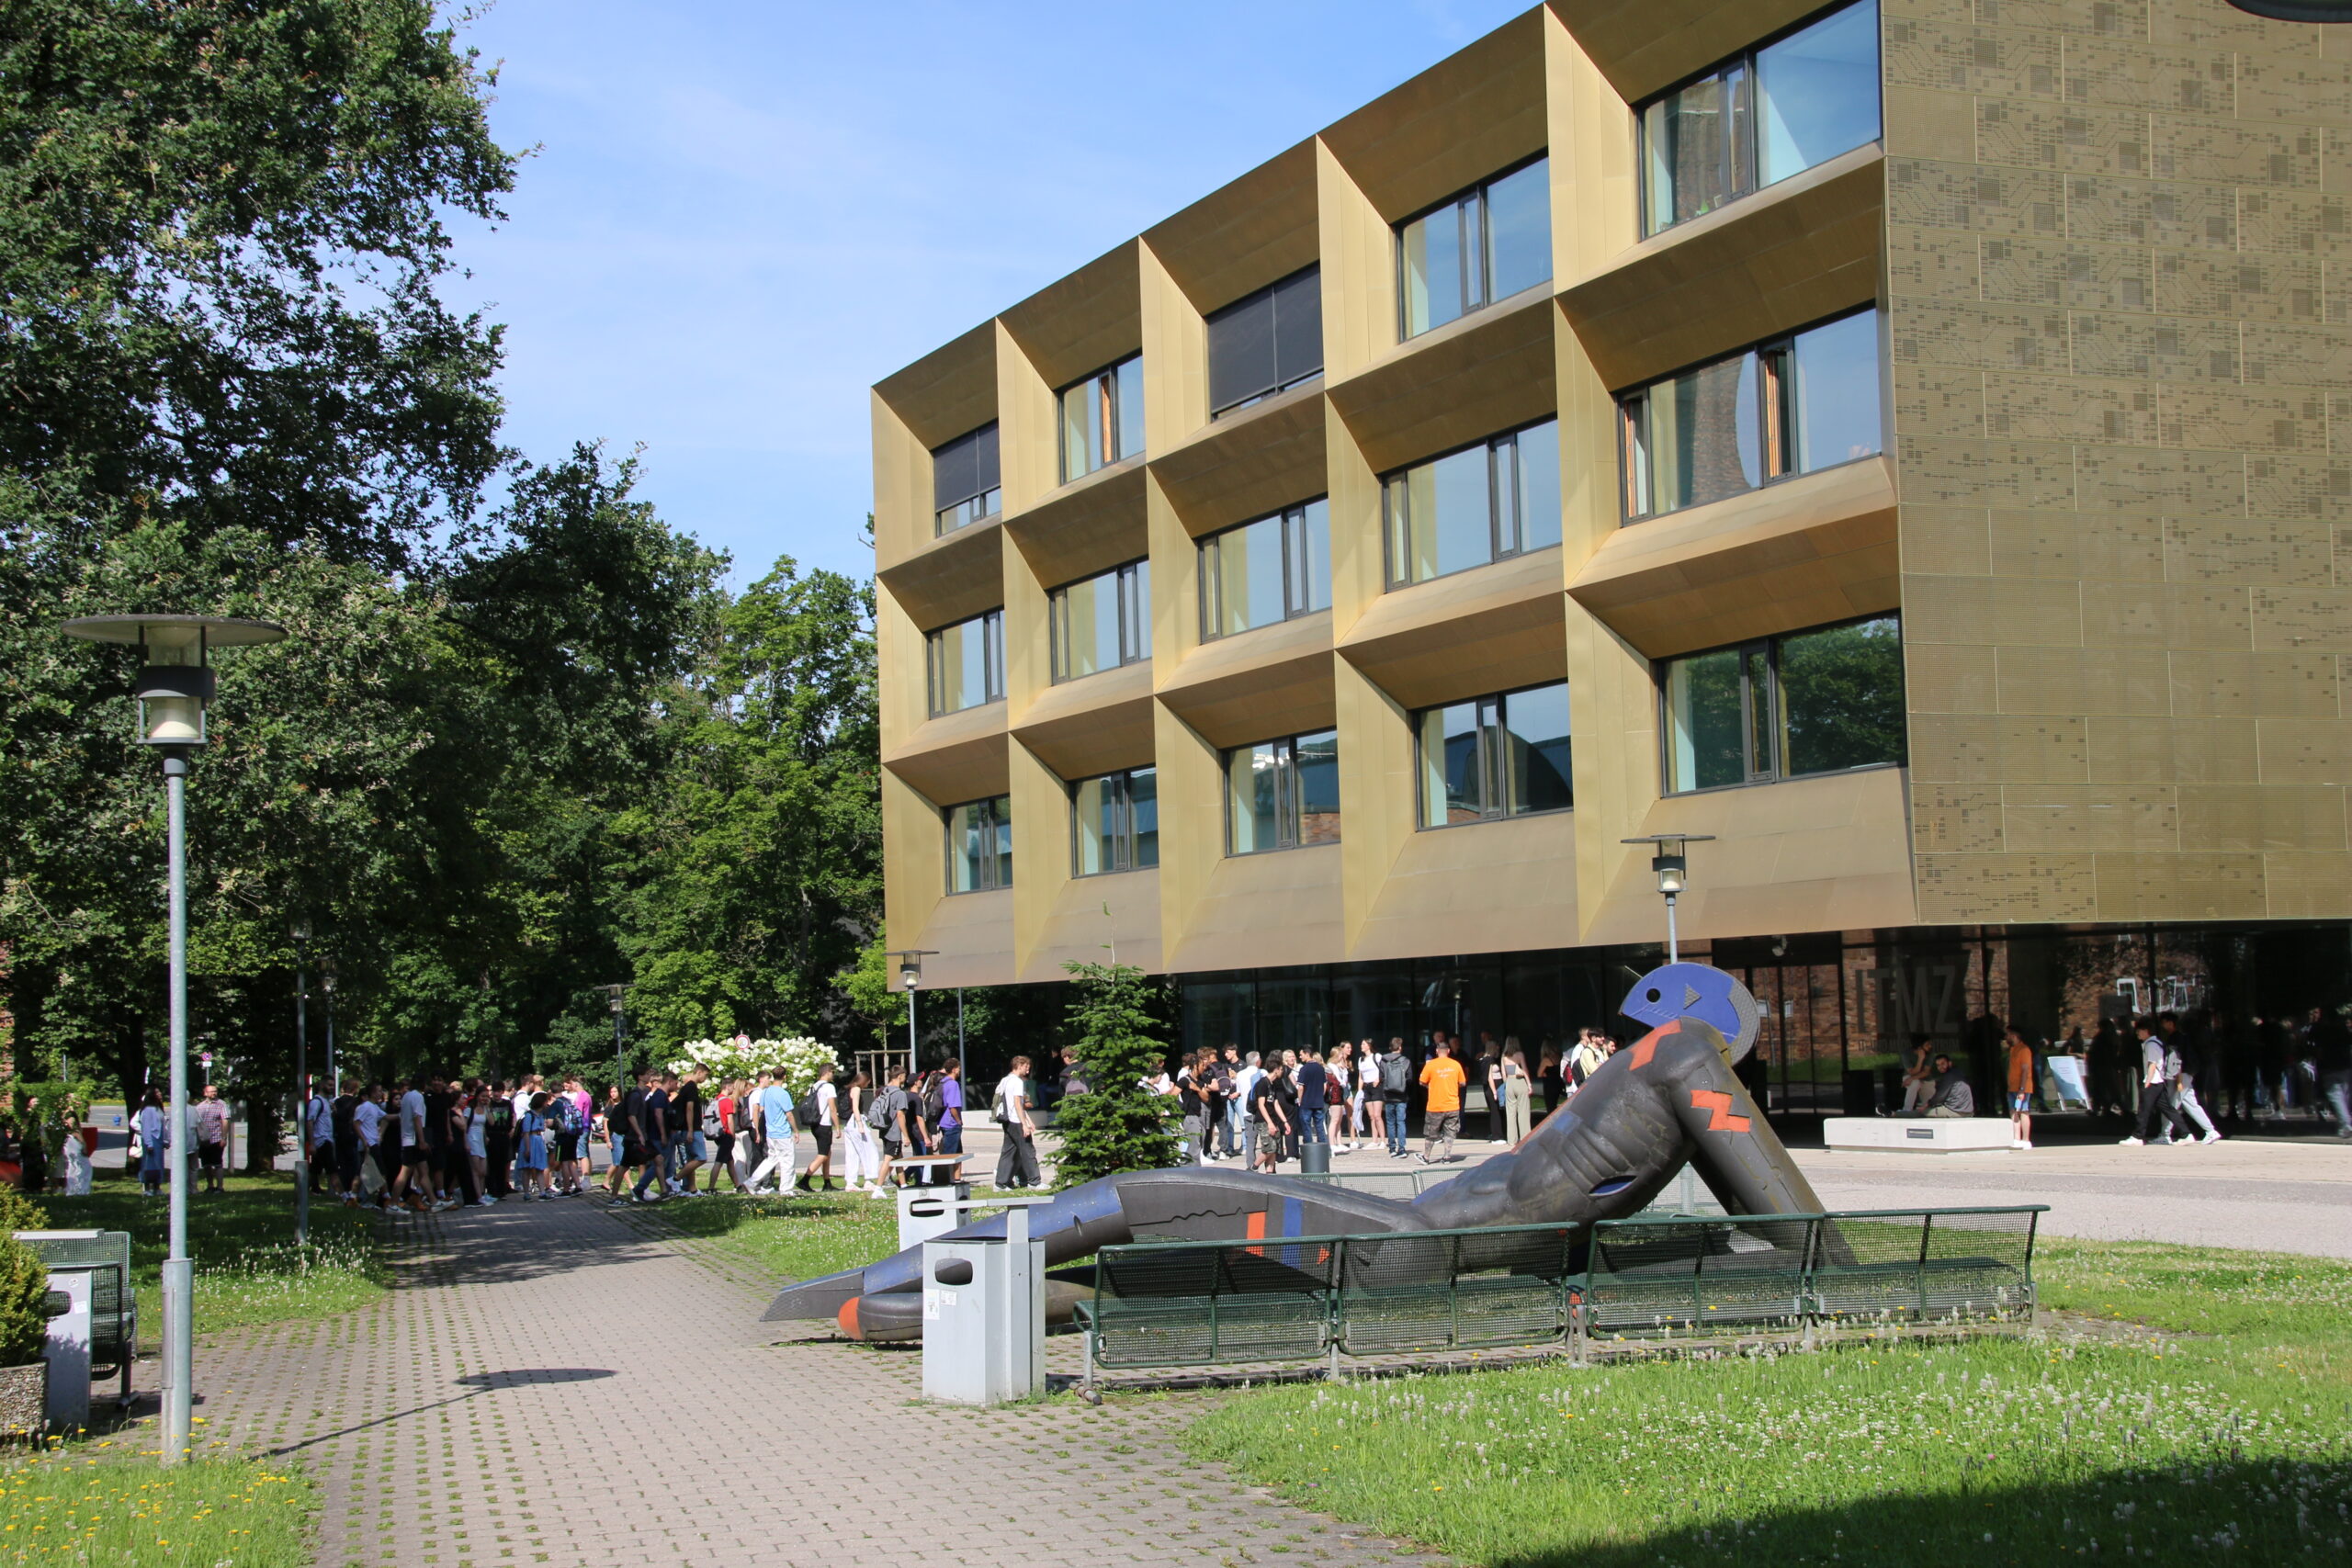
549	1384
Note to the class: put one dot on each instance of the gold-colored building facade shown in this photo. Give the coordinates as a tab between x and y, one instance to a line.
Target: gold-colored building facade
2109	242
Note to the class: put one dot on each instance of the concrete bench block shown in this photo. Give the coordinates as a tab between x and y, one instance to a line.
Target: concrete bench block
1918	1134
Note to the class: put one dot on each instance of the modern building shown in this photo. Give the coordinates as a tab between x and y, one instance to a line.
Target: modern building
1907	440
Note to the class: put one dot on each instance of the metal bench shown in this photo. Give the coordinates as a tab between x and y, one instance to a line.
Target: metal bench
114	1304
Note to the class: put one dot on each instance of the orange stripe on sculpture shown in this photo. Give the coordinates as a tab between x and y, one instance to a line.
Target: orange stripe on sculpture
1717	1105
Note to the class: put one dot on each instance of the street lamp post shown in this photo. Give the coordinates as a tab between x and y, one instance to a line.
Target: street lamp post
1672	866
171	688
326	985
911	976
299	931
620	1023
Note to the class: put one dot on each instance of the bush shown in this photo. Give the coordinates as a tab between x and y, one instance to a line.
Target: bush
23	1305
19	1213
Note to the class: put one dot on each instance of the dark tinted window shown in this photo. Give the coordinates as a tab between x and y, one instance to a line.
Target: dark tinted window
964	478
1272	340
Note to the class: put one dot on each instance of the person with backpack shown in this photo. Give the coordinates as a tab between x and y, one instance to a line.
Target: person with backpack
819	1112
950	1118
887	1116
1395	1087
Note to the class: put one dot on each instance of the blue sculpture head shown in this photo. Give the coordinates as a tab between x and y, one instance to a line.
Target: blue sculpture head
1699	991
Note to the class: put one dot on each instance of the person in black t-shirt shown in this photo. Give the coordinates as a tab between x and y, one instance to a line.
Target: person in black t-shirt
1271	1101
653	1120
687	1135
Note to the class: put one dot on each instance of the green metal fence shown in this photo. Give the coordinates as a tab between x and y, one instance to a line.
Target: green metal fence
1651	1280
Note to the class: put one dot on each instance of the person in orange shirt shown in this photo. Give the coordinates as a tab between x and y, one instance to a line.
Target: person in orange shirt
2020	1091
1442	1116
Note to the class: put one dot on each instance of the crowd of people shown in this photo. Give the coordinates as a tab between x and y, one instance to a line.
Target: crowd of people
1263	1107
431	1141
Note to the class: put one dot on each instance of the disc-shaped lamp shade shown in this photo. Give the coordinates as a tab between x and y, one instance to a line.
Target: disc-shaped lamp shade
2298	10
175	683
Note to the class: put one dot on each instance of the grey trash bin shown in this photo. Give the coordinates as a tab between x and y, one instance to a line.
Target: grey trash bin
984	1318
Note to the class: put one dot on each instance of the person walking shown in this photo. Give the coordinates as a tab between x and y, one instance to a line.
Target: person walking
1373	1091
1313	1087
155	1135
2332	1056
820	1109
498	1141
476	1116
1230	1111
212	1134
857	1136
1518	1093
531	1148
771	1112
2020	1082
2156	1091
1442	1080
348	1152
2185	1058
1188	1081
367	1120
1016	1162
1490	1078
887	1118
415	1185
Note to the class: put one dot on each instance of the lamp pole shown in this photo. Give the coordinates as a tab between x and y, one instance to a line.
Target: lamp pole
1671	865
326	985
301	932
171	688
911	976
620	1023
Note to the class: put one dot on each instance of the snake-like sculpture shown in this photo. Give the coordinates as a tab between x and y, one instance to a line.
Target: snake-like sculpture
1669	1099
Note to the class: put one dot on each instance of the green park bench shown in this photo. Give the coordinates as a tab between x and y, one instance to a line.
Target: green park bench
114	1304
1660	1279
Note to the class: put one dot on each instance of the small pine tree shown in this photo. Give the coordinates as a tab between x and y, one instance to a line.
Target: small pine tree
1117	1124
19	1213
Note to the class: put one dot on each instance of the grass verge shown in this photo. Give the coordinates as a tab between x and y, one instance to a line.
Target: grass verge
2235	1445
248	1269
64	1506
795	1238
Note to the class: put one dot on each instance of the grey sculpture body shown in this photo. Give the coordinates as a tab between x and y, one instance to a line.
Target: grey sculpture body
1669	1100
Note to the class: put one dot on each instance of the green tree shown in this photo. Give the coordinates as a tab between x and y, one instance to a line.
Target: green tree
1117	1124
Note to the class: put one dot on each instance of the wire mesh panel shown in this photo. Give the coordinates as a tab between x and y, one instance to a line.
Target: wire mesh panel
1695	1276
1867	1268
1977	1263
1396	1292
1510	1287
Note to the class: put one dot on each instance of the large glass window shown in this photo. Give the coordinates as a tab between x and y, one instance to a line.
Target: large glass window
1823	700
979	845
1266	344
1499	756
1266	571
1483	245
1808	400
1281	795
1499	498
1775	112
1101	623
963	487
966	663
1115	822
1102	418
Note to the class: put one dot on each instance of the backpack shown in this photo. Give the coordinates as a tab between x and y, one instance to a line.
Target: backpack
878	1110
567	1115
1391	1074
806	1108
934	1099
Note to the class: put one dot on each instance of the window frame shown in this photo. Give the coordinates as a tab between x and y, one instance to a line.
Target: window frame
1777	424
991	495
1485	243
1108	377
1297	569
992	662
1123	858
1490	768
1389	483
995	825
1771	704
1744	60
1290	811
1132	609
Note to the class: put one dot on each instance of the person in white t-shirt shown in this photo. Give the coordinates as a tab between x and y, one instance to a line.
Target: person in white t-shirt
1016	1164
414	1186
819	1168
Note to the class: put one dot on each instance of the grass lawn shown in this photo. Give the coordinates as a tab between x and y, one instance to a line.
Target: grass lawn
248	1269
793	1238
67	1506
2236	1445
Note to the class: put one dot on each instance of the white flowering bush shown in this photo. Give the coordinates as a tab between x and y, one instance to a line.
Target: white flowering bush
797	1058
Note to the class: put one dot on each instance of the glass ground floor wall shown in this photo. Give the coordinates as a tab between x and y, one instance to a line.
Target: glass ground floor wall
1838	1006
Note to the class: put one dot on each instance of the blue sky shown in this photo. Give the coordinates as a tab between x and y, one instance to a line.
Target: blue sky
739	216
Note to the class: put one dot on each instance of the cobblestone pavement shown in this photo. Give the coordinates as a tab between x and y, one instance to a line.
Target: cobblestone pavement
549	1384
